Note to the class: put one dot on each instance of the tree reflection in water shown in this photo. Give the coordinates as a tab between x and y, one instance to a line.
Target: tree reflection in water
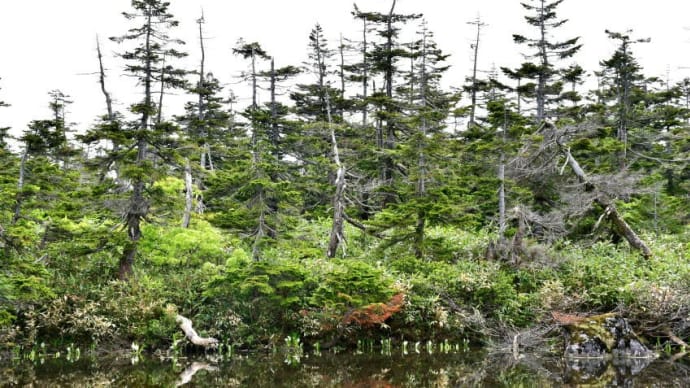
473	369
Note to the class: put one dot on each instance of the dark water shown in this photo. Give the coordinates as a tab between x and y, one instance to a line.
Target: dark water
462	369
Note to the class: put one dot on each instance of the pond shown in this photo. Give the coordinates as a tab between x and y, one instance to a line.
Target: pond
352	369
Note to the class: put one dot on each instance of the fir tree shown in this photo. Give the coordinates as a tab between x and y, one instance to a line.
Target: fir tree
549	84
3	130
147	138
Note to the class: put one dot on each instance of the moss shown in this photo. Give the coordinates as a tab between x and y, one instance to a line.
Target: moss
591	328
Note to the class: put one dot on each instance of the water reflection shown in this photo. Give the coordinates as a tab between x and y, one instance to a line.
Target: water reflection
187	375
469	369
617	372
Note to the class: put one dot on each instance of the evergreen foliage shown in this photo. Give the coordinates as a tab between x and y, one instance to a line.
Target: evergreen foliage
440	232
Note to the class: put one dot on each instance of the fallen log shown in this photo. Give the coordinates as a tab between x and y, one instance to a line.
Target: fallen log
191	334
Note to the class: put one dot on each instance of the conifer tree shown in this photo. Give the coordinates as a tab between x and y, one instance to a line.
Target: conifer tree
547	77
310	99
384	58
360	71
383	66
3	130
253	52
150	60
274	116
428	192
259	188
626	79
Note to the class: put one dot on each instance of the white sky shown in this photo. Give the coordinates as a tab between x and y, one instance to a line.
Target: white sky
50	44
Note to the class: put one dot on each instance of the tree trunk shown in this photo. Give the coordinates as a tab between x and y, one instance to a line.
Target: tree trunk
501	200
260	230
473	96
159	116
336	236
541	77
205	149
419	231
109	108
421	161
108	99
342	75
254	104
365	73
20	187
138	206
188	197
274	110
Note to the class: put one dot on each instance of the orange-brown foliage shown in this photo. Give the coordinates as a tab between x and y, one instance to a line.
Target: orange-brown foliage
375	313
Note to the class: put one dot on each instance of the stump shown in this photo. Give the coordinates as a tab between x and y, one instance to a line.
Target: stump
600	336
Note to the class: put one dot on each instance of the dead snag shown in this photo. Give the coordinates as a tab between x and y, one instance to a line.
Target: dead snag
620	226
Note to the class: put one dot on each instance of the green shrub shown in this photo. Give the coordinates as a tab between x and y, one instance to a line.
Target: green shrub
172	245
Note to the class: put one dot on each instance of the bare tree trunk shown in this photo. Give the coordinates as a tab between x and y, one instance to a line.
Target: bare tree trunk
365	73
501	199
341	50
20	187
473	95
108	99
159	117
502	223
109	108
188	197
421	161
337	236
541	77
274	109
205	157
519	96
390	127
254	103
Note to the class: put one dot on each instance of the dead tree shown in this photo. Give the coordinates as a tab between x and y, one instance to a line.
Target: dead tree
610	211
337	236
475	47
537	162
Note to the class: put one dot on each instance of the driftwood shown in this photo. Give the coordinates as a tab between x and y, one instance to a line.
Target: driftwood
191	334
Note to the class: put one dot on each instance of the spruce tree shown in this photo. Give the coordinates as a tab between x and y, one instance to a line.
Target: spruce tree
428	191
626	87
547	76
310	99
259	187
150	60
3	130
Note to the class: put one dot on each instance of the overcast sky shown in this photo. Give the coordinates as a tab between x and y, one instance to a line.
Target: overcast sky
50	44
